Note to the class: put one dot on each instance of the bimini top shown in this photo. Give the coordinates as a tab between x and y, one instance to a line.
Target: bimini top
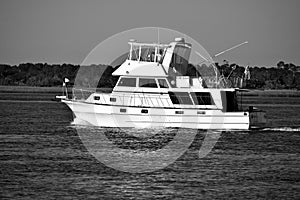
150	59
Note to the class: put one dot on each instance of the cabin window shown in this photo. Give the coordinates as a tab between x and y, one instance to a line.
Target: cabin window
147	82
96	98
180	59
149	54
180	98
180	112
146	52
134	54
123	110
202	98
127	82
163	83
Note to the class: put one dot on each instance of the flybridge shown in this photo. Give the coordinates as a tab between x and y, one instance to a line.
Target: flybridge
154	59
149	52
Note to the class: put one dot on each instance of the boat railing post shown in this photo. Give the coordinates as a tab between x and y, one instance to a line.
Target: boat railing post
190	96
103	97
130	53
163	103
144	99
155	54
140	52
160	102
73	94
131	100
167	102
157	101
123	102
150	100
141	100
135	100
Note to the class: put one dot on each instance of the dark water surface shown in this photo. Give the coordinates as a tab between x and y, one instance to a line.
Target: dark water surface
42	157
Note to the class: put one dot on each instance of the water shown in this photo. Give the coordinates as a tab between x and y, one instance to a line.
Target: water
42	157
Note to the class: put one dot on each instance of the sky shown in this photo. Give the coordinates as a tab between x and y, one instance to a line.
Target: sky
66	31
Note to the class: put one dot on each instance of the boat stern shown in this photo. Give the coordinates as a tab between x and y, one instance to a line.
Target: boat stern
257	118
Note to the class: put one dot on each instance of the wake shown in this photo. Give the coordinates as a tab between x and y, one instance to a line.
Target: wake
283	129
81	123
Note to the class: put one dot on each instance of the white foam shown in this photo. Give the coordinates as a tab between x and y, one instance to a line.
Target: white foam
284	129
80	122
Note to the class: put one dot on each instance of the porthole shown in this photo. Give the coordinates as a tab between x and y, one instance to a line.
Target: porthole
123	110
113	99
145	111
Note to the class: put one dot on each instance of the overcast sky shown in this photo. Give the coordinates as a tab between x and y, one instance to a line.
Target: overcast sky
65	31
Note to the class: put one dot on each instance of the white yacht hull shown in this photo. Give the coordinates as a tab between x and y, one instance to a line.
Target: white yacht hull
129	116
162	92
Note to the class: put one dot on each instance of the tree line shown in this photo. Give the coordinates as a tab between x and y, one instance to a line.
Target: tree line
282	76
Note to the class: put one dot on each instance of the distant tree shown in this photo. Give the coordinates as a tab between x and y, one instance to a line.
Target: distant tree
280	64
285	75
292	67
286	66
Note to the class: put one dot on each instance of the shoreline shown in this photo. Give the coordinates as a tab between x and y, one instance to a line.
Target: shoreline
56	89
275	93
29	89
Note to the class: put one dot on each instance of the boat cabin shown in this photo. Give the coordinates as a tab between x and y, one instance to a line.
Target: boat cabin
160	60
154	75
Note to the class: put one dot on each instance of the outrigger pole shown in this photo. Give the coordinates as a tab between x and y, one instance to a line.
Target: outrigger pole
231	48
222	52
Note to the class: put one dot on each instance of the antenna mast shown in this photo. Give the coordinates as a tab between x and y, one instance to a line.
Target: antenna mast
158	35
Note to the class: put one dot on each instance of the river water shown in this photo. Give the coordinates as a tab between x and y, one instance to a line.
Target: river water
43	157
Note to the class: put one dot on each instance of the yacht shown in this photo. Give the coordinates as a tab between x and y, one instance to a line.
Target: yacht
155	89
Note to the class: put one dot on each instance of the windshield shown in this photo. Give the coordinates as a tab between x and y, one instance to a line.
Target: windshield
146	53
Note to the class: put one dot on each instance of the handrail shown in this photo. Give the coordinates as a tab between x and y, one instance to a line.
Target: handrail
128	99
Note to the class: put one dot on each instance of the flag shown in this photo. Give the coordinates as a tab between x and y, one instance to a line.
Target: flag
66	80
